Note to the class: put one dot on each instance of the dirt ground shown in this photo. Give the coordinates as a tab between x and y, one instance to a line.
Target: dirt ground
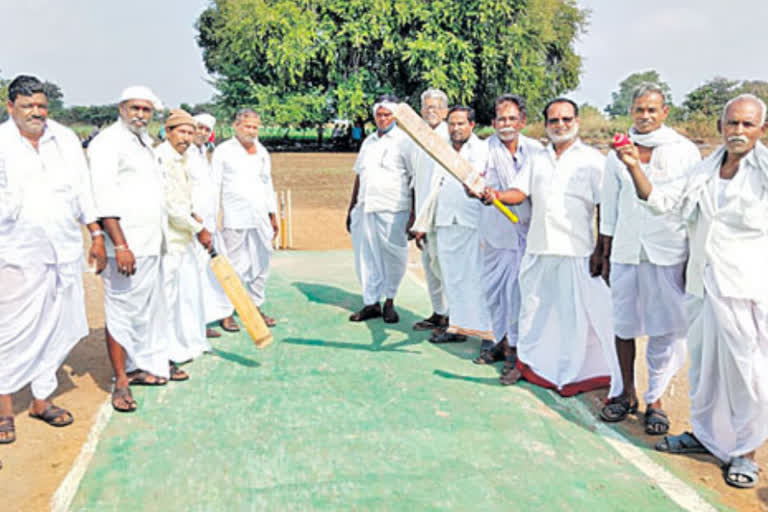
320	185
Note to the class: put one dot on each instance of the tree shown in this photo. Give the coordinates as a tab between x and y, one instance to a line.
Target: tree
757	87
709	99
622	99
305	62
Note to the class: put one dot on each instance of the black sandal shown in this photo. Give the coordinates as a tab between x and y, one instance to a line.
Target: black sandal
142	378
368	312
617	409
656	422
177	374
52	414
493	355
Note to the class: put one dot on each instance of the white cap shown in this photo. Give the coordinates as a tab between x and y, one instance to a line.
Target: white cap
139	92
205	119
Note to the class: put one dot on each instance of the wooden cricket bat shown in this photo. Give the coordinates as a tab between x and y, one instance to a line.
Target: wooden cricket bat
442	152
247	311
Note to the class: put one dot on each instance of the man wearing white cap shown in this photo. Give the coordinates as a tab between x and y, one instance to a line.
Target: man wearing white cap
206	188
248	204
129	189
378	213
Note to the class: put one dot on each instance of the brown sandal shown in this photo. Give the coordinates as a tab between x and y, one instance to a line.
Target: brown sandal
142	378
177	374
123	395
7	426
52	414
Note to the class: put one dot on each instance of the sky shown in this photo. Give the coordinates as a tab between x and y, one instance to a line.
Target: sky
94	48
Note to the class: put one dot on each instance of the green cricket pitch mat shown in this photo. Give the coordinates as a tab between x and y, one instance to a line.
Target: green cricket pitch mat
338	415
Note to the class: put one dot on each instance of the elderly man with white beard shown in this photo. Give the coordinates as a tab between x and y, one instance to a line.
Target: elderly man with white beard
45	197
647	252
510	155
565	331
129	189
724	202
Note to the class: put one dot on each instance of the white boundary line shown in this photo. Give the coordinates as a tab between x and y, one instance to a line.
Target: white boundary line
677	490
62	498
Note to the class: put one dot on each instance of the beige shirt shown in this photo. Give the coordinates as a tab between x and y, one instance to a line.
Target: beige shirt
182	227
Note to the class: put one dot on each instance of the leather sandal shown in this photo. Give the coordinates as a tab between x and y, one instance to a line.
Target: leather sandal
368	312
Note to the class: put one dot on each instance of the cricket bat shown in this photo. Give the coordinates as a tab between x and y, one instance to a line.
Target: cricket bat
442	152
247	311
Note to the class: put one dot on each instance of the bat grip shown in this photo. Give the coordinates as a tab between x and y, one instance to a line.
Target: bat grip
213	252
506	211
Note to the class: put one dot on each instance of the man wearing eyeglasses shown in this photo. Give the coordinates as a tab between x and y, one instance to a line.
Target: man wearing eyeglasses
647	251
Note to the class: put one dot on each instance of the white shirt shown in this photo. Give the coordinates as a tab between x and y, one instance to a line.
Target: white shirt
453	204
564	192
732	239
423	166
182	227
128	183
634	226
385	172
247	193
496	229
48	187
206	188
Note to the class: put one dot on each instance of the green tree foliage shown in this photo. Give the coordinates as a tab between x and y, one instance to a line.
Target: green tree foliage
304	62
709	99
621	100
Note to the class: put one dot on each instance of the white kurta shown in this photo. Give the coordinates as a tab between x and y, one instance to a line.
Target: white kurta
565	331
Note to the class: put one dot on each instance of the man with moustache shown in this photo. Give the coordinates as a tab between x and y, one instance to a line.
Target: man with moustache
510	155
248	204
378	213
724	202
434	110
129	189
647	252
184	231
565	331
45	197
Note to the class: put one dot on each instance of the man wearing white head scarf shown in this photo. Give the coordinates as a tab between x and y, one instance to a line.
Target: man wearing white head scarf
45	197
647	253
510	156
724	203
378	213
129	189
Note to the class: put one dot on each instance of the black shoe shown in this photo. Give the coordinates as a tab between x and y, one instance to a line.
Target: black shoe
447	337
390	315
491	356
487	345
372	311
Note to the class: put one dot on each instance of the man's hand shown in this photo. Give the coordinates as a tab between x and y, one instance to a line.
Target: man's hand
409	225
204	237
98	254
489	194
596	262
471	193
419	238
629	155
126	262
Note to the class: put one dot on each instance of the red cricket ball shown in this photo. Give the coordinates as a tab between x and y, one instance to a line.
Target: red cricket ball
620	139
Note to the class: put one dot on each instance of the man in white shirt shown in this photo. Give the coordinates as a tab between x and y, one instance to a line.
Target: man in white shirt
724	203
456	220
248	204
206	196
647	252
565	330
129	190
45	196
510	153
184	232
434	110
378	214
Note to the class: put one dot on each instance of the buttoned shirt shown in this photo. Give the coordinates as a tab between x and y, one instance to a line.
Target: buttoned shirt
453	204
564	192
423	166
247	193
732	238
635	227
182	227
48	187
385	171
128	183
206	188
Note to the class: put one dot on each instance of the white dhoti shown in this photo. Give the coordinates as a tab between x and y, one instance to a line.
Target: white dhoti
433	275
728	340
42	317
565	329
184	300
461	265
215	301
502	290
649	300
136	314
250	251
381	252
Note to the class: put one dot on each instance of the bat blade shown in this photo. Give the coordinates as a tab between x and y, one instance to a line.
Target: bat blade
247	311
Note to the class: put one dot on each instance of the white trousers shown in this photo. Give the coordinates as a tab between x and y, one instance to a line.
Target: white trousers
565	330
649	300
381	252
433	275
728	341
184	299
461	264
135	312
250	251
502	290
42	317
215	302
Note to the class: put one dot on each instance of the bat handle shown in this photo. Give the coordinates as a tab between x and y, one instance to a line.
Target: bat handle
213	252
506	211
